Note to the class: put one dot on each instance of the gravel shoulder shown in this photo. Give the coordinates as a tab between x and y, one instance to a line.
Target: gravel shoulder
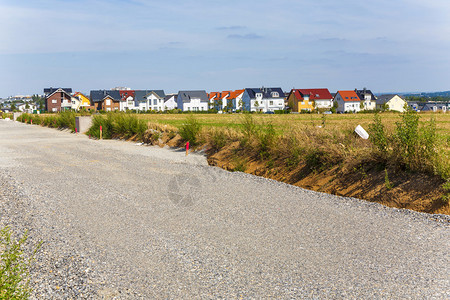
118	220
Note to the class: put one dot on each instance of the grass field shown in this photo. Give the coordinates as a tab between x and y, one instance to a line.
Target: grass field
286	122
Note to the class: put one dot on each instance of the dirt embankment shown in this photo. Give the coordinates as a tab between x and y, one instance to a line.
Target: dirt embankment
390	187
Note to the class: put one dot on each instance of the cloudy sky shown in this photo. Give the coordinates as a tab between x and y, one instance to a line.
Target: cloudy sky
384	45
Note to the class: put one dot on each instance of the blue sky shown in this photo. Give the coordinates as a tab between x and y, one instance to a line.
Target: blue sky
400	45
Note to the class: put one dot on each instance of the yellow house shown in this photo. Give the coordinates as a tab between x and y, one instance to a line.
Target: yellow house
84	101
310	99
298	102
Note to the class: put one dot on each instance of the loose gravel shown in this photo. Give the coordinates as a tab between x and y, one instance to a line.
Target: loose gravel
122	221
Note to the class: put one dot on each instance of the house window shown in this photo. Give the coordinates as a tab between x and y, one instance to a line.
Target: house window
54	101
108	102
54	109
155	102
275	94
270	102
258	95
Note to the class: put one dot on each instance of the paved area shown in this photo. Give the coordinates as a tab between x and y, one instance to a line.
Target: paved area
120	220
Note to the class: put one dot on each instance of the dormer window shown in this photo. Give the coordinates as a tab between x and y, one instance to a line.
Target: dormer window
258	95
275	94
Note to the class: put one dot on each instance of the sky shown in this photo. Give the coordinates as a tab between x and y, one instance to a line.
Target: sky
383	45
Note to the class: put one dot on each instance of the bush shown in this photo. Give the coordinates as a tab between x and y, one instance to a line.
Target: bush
218	139
14	266
412	146
378	135
190	130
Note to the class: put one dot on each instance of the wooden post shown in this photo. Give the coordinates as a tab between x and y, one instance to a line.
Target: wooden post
100	131
187	148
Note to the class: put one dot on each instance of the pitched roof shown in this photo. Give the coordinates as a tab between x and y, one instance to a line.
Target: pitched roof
314	94
363	92
124	94
213	95
267	92
186	96
48	91
99	95
348	96
142	94
382	99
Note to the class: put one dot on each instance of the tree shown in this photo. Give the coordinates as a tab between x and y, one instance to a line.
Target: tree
13	106
385	106
361	105
334	107
27	106
257	105
240	104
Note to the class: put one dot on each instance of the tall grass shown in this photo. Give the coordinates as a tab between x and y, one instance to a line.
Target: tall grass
412	145
15	262
190	130
63	120
117	125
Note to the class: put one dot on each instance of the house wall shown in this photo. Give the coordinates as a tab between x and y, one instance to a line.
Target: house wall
346	106
397	104
194	105
238	100
57	100
170	103
159	106
323	103
110	105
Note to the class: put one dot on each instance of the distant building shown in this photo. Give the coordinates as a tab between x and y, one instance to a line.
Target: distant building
106	100
263	99
367	98
309	99
58	99
391	102
192	100
348	101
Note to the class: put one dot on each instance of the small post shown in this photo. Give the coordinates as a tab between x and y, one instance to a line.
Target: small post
31	121
25	121
101	132
76	131
187	148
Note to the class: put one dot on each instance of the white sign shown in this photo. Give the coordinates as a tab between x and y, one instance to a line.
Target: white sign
361	132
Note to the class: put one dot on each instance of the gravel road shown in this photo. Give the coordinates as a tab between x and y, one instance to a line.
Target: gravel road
126	221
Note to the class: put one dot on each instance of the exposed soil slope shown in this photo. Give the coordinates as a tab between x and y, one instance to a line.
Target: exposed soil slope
401	189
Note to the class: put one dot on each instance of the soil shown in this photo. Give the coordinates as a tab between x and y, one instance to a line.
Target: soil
401	189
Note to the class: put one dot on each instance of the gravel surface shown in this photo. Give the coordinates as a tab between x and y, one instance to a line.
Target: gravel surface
126	221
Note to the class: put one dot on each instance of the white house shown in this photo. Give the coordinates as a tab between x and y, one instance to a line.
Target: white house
149	100
170	102
192	100
23	107
367	98
391	102
348	101
263	99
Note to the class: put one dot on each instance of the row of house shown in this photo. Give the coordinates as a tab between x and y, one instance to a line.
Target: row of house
265	99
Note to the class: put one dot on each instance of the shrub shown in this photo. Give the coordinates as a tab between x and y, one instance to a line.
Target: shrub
14	266
218	139
190	130
378	135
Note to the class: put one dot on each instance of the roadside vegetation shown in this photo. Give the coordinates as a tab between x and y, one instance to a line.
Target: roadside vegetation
63	120
15	262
